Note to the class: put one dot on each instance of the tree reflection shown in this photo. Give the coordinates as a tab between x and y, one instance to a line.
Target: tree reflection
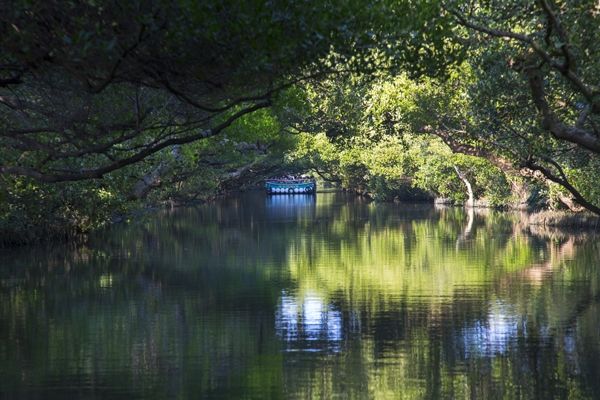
238	300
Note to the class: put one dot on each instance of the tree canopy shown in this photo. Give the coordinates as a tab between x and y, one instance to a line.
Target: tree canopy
112	102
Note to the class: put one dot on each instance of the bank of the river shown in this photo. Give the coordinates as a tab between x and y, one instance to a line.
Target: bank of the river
565	219
536	215
19	233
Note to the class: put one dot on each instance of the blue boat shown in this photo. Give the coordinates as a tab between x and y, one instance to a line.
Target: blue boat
290	186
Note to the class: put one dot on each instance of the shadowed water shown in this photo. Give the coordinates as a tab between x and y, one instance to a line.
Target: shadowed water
305	297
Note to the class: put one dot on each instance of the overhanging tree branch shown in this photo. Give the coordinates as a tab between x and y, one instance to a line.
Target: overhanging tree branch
565	68
562	180
574	134
95	173
531	67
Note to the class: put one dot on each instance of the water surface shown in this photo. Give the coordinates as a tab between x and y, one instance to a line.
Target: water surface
305	297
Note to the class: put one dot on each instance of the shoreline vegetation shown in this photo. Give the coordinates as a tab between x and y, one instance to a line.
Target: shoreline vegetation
562	221
537	216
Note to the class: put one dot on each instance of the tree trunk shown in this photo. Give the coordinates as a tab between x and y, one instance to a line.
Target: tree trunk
570	203
462	177
152	178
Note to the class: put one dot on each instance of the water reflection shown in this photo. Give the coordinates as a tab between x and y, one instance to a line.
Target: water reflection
493	335
290	206
308	324
305	297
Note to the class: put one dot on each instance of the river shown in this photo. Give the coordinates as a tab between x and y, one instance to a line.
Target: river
300	297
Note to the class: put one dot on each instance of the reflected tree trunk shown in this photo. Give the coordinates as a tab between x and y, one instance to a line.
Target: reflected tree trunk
466	233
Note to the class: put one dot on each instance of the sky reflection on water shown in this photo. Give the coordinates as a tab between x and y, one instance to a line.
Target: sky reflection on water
308	324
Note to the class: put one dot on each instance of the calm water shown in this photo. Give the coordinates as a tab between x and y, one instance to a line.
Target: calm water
297	297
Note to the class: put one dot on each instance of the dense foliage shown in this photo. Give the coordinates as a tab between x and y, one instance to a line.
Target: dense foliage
105	107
